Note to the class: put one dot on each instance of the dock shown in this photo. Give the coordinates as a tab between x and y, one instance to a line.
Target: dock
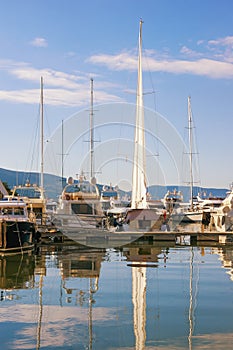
107	239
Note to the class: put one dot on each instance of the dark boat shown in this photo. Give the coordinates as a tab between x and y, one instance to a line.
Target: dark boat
17	232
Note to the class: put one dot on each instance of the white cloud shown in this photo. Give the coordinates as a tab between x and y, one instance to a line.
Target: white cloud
227	41
39	42
73	89
56	97
61	89
52	77
189	52
122	61
215	62
222	48
204	67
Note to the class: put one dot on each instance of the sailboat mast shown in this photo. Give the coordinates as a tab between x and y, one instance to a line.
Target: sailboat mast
139	182
41	133
91	134
62	152
190	149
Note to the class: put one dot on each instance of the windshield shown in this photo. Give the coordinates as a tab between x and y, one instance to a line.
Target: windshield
28	192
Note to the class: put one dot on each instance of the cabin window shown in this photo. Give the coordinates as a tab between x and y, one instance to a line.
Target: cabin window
72	189
81	208
27	192
82	265
6	211
19	211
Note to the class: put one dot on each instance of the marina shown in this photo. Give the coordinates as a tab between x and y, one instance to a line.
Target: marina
116	192
97	218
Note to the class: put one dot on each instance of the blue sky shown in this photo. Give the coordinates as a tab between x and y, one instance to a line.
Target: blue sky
187	50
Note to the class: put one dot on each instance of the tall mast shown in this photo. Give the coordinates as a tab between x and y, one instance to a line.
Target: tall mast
190	126
139	180
91	135
41	134
62	153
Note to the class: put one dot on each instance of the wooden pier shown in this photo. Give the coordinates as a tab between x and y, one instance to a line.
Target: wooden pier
104	238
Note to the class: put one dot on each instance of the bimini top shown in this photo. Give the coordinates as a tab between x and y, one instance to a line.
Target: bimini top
80	190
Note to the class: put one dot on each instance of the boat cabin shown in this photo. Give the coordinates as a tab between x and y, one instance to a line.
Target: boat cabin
33	196
81	197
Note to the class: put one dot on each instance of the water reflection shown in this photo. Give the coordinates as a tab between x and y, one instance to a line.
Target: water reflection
16	272
142	296
226	256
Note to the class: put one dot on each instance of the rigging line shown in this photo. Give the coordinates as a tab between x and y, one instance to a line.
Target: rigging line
153	92
150	77
21	261
195	161
52	155
20	242
33	143
196	289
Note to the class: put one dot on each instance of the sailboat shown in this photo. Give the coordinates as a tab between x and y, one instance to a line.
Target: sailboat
140	216
189	213
79	210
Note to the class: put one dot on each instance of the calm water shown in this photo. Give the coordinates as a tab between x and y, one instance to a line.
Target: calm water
140	297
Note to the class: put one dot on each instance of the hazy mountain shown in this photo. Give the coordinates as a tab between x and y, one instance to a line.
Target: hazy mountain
52	183
158	192
53	186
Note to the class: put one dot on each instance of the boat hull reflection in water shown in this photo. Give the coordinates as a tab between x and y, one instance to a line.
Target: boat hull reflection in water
17	272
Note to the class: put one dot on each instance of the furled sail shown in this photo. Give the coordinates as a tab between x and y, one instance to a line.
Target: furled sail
139	189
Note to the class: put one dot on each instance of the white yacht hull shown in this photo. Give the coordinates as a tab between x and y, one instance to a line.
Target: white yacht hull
188	217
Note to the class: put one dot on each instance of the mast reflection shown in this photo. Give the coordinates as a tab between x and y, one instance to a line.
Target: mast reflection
140	258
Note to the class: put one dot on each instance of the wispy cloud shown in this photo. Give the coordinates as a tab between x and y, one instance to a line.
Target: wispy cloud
52	77
204	67
39	42
187	52
227	41
61	89
211	59
214	61
56	97
222	48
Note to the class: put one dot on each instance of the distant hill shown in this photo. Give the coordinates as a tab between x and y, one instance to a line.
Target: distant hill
53	186
158	192
52	183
